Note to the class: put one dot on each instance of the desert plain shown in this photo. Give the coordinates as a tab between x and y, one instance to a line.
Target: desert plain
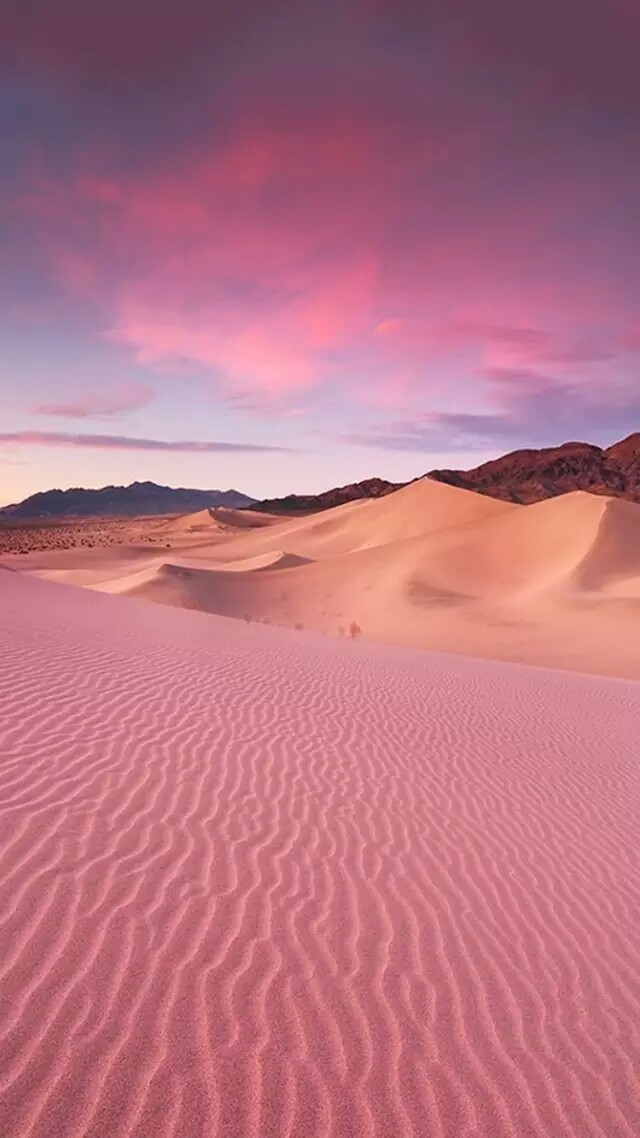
333	839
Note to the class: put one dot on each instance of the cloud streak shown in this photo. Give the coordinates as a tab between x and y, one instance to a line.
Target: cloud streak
102	403
132	443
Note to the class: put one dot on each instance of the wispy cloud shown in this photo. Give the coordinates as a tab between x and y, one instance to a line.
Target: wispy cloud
130	442
103	403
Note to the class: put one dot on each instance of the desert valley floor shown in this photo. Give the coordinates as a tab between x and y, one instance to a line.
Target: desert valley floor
273	883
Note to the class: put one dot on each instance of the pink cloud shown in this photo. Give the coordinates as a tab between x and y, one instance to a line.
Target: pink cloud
257	255
277	346
345	238
277	261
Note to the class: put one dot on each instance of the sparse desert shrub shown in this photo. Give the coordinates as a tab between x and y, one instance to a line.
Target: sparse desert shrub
299	626
247	618
354	630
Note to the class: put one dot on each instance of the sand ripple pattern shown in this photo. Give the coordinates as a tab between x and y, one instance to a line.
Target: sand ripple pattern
257	883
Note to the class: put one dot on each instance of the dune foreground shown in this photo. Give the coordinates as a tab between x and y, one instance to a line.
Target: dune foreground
257	882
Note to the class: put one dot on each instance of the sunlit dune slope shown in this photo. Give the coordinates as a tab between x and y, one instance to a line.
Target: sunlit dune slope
422	508
215	520
555	583
534	583
573	543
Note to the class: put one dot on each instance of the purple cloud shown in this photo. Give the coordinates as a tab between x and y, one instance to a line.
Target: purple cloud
527	409
129	442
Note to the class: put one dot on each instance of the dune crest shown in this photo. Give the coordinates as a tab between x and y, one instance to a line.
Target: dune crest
193	523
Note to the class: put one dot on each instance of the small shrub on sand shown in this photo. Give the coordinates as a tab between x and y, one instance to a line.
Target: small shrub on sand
247	618
354	630
299	626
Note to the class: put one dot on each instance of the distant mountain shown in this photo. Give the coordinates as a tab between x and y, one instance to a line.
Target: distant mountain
531	475
521	476
117	501
308	503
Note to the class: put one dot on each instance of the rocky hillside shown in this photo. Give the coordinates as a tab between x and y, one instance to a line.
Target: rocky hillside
307	503
522	476
531	475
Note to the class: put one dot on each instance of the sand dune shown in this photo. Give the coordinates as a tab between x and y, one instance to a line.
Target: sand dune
198	522
244	519
217	519
260	883
417	510
577	541
557	583
423	508
534	584
275	559
190	587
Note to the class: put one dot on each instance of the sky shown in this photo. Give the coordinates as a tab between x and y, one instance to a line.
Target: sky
284	246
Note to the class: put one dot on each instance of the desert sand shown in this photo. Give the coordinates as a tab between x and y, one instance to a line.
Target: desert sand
264	883
555	584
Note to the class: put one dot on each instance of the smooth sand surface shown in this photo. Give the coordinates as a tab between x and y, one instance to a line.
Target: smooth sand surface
555	584
263	883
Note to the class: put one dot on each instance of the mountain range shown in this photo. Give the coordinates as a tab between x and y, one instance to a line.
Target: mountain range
527	476
522	476
138	499
308	503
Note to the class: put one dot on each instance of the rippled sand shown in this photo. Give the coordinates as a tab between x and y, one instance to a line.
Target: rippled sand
257	883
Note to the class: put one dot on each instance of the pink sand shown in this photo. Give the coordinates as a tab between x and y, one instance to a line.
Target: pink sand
256	882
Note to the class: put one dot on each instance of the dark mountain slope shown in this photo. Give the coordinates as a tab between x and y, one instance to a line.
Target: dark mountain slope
121	501
532	475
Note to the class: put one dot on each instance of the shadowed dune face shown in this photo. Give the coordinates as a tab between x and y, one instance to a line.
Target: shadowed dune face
614	556
243	519
260	883
262	562
556	583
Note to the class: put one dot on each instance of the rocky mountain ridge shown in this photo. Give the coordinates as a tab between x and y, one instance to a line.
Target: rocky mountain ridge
135	500
527	476
338	496
523	476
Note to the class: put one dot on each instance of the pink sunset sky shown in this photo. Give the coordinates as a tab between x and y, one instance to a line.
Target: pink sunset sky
282	246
